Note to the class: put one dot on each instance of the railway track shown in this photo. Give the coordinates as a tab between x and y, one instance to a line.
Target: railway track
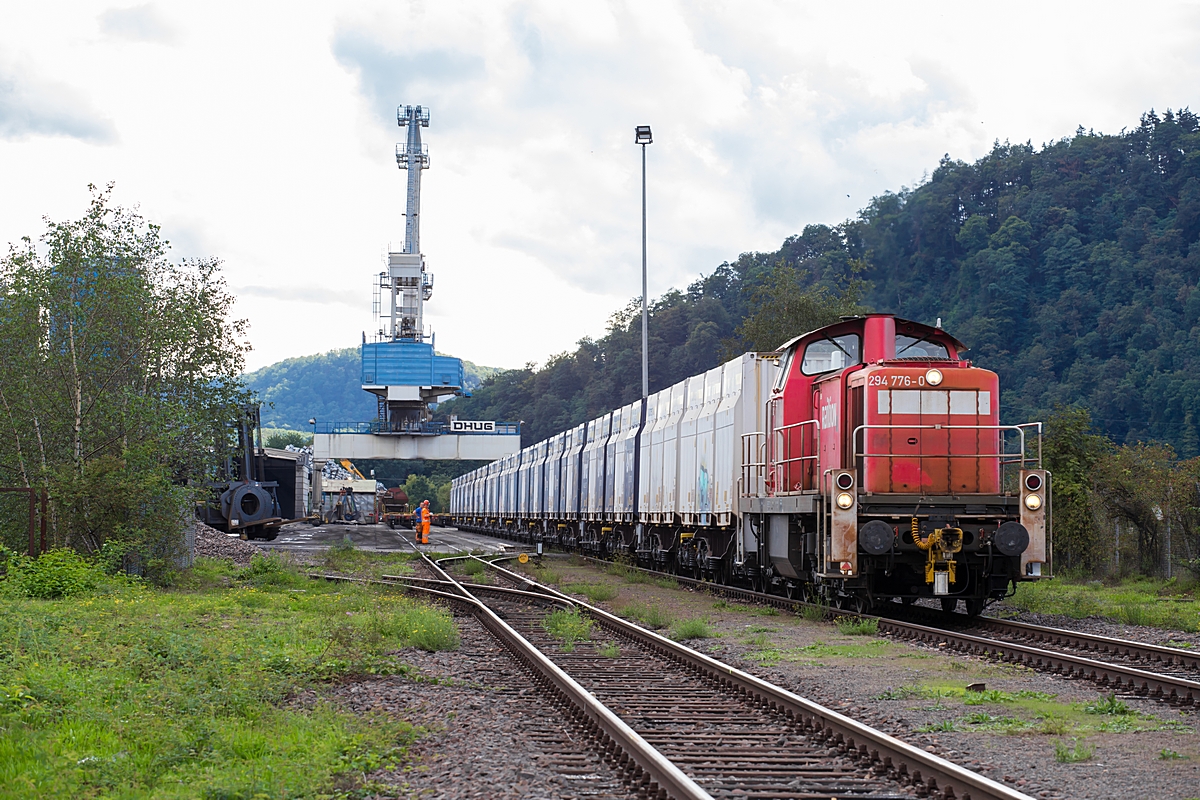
1164	673
677	723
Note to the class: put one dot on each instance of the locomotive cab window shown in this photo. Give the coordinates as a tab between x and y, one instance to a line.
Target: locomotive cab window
912	347
836	352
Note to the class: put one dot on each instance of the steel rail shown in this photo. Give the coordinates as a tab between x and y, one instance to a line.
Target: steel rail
1119	648
617	740
903	760
1116	676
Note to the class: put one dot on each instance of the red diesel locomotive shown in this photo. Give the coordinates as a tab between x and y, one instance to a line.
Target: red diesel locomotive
886	473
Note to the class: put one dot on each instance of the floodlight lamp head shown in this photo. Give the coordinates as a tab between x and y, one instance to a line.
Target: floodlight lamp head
642	135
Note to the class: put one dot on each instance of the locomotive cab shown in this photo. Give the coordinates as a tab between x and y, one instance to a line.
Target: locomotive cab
885	447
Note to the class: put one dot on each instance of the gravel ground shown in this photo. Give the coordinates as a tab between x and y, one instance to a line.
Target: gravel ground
211	543
489	734
855	674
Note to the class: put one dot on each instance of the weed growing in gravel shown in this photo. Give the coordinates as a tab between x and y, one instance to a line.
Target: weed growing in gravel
666	583
1170	755
1076	752
472	566
568	627
626	573
547	576
650	616
986	697
594	592
761	629
609	650
1184	645
1107	705
428	628
691	629
850	626
944	725
766	611
1053	726
816	612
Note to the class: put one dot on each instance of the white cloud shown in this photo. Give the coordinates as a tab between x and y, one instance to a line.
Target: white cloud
33	106
264	135
141	23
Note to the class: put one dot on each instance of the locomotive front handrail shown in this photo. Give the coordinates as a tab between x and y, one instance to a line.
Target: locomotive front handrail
1004	456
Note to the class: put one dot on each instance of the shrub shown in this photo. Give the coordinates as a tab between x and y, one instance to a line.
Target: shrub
473	566
56	573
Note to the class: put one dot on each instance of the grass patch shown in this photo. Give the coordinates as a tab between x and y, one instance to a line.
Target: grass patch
626	573
545	576
594	592
766	611
568	627
819	651
1037	712
609	650
665	583
1170	755
1170	604
346	559
851	626
1074	753
692	629
649	615
130	691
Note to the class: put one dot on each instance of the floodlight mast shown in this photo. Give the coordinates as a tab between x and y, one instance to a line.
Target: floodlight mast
414	157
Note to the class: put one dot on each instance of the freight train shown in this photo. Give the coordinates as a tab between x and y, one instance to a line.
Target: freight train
862	463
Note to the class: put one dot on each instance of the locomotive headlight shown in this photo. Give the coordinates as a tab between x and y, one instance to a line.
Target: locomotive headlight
844	500
1033	501
933	377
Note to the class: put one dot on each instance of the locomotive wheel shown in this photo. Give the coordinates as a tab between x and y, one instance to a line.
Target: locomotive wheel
949	604
908	601
975	607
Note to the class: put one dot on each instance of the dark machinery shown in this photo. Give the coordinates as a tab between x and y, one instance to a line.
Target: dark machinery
243	502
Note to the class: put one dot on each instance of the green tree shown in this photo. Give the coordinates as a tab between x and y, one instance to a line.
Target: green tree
120	371
788	304
1071	451
281	439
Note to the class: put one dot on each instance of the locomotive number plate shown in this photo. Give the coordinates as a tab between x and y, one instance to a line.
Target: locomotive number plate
902	380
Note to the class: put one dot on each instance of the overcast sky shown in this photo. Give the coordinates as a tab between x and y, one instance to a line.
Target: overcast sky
264	134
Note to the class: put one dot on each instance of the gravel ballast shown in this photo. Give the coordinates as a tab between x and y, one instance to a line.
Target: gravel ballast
490	733
211	543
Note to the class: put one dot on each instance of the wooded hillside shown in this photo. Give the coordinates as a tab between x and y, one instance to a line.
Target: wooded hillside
1070	269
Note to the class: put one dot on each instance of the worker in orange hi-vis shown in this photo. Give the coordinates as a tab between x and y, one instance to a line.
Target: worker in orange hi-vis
425	521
